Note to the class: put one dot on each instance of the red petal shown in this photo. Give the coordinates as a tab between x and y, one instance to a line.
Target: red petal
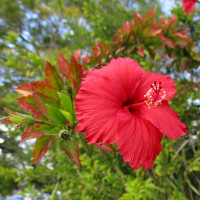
188	5
102	95
165	119
149	78
139	141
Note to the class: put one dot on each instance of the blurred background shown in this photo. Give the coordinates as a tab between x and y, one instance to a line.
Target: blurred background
32	31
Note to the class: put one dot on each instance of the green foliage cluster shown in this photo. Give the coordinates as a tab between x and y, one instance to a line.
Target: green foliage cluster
33	31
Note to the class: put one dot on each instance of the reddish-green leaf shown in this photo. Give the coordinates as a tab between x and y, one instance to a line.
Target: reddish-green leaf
18	119
167	41
5	120
29	104
33	131
42	99
138	23
77	55
53	78
63	65
105	147
46	90
172	23
76	70
141	50
148	17
151	31
72	71
42	145
25	89
72	150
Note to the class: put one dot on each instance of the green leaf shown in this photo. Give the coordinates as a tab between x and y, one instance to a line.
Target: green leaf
42	145
28	120
55	115
15	119
70	147
68	116
66	102
54	130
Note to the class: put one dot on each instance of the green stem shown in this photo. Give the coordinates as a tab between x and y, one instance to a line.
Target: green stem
48	123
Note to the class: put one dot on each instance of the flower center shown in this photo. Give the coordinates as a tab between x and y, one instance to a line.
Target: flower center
155	95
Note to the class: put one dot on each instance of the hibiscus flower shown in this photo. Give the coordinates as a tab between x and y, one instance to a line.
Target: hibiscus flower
188	5
125	104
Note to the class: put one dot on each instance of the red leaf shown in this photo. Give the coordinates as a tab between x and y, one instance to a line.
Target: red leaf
42	145
105	147
52	77
71	148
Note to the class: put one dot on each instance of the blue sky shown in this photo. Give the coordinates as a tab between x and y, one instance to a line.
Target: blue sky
167	6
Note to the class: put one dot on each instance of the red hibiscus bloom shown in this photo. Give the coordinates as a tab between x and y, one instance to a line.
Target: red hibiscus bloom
188	5
125	104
